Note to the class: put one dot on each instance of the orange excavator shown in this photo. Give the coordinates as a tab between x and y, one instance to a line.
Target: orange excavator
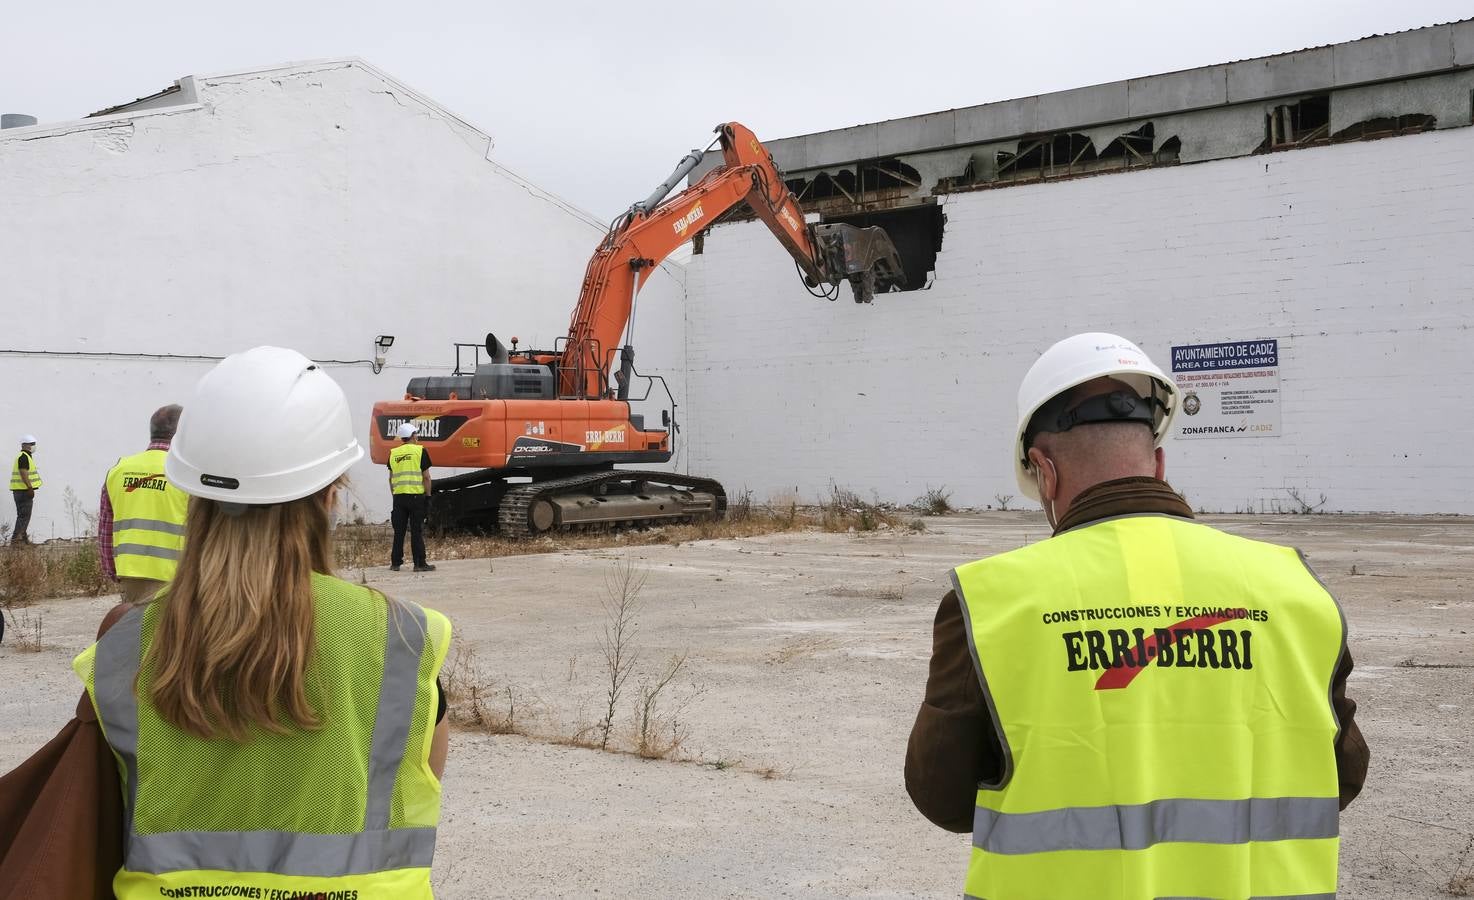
545	428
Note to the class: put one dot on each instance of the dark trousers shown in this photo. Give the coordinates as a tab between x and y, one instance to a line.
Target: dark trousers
409	511
23	503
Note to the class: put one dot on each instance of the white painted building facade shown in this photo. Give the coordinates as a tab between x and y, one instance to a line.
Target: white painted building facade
1358	258
320	205
314	206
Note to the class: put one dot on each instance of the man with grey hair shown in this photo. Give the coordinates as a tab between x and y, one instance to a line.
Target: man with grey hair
140	517
1164	695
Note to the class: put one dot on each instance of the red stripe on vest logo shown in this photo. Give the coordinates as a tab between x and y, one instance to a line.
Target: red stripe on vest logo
132	483
1123	652
1150	648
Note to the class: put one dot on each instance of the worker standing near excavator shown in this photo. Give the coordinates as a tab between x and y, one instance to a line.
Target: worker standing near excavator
1166	696
409	483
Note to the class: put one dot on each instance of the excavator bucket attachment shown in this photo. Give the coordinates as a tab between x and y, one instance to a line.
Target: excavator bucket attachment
865	257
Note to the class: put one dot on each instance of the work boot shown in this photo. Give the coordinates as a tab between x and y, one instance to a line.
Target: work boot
394	568
425	568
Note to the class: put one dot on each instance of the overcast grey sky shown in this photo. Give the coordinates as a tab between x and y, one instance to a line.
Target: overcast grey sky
597	101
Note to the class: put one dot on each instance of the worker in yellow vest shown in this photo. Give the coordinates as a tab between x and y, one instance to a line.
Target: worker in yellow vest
25	479
280	732
140	516
1140	706
409	484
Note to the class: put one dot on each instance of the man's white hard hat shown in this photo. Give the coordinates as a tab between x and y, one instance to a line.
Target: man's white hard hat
266	425
408	430
28	439
1074	361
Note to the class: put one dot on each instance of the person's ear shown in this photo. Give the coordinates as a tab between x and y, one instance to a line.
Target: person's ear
1045	471
1161	456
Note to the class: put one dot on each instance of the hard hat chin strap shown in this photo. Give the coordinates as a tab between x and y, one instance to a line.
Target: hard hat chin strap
1117	406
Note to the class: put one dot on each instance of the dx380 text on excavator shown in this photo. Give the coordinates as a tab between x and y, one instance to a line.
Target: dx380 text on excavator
546	428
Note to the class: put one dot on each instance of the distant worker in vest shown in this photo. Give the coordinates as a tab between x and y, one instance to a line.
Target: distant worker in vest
140	517
280	732
1167	698
409	482
25	480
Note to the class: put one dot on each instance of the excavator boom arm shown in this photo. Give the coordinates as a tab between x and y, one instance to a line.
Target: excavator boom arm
654	228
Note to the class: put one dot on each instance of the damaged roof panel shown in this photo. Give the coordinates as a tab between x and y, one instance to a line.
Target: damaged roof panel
1407	54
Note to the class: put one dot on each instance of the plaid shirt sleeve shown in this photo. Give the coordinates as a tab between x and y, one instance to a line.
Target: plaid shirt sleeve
105	535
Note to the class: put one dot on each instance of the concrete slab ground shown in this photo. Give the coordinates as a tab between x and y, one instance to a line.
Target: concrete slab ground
807	657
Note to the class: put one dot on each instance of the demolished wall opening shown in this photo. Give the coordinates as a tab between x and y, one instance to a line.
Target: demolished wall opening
1065	154
1298	124
1387	126
883	178
915	230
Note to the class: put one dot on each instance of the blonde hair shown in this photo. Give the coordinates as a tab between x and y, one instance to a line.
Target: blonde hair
236	631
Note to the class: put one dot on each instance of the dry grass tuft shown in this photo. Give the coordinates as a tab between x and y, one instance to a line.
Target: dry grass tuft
473	702
58	568
935	502
25	632
844	510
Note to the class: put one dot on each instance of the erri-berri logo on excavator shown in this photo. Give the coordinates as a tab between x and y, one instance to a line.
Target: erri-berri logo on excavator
694	214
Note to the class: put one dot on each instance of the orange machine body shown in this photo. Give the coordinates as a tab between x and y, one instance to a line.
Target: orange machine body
511	434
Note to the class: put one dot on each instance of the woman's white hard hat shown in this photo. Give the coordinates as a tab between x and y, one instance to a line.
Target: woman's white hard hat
267	425
1074	361
28	439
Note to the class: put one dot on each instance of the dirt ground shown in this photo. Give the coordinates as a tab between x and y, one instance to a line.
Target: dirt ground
807	658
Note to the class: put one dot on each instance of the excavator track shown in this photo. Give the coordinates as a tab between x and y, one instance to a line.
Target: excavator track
604	499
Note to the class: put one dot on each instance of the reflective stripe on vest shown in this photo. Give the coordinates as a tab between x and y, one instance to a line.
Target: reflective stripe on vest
148	517
383	854
17	482
405	475
1161	690
1330	896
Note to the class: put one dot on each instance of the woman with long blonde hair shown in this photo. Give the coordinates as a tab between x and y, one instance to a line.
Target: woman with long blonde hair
279	731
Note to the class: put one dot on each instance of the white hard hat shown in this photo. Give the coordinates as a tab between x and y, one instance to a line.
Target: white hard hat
28	439
265	426
1076	360
408	430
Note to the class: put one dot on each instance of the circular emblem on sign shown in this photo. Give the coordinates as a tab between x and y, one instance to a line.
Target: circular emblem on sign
1191	404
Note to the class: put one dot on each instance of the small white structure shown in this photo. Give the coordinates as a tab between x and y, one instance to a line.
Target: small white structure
316	206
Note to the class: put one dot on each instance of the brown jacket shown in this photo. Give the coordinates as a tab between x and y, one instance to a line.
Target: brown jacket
61	814
953	745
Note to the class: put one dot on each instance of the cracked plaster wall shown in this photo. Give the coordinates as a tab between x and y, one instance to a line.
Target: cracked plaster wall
313	208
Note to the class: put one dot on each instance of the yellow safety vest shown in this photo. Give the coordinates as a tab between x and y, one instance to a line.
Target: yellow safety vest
1162	692
346	810
148	517
17	481
405	475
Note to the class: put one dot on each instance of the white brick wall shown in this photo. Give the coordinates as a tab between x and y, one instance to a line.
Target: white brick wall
1359	258
314	207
